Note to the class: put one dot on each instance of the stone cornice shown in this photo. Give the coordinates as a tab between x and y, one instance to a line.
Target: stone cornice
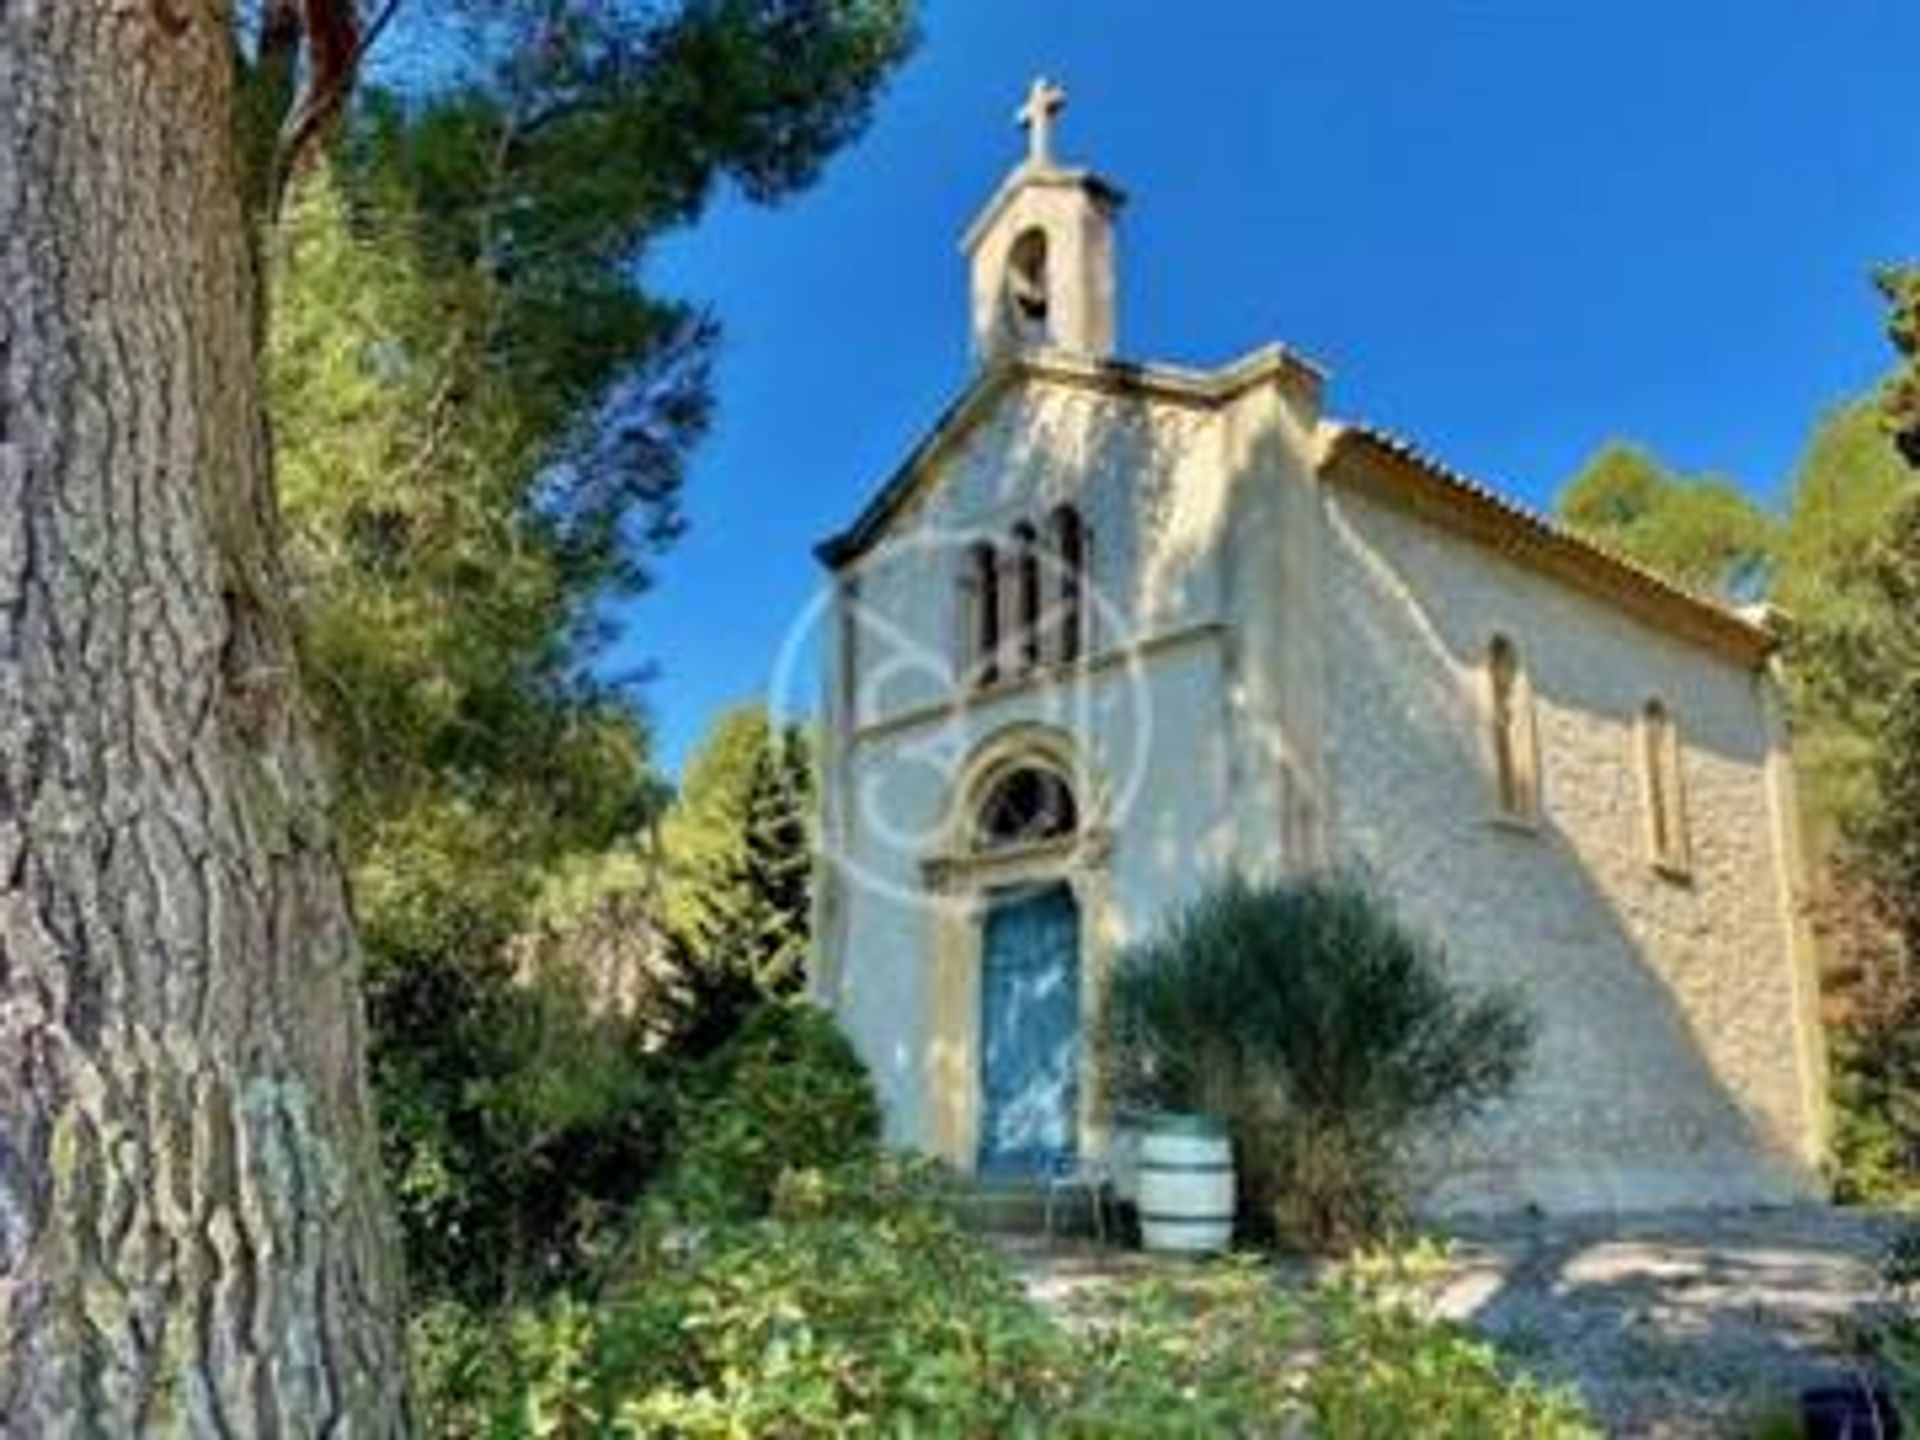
1029	176
946	874
991	696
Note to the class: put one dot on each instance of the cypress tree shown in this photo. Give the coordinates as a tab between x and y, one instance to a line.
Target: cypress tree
738	847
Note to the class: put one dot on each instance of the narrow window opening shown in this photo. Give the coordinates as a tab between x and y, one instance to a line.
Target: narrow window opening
1666	810
1027	597
1516	785
1068	618
980	598
1029	300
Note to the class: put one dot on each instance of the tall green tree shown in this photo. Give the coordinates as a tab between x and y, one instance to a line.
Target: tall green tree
192	1230
194	1235
1701	532
484	416
1859	665
1847	488
1890	837
738	846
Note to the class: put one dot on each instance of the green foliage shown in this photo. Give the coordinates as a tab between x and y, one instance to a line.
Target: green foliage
482	418
517	1121
818	1327
1213	1352
1389	1370
1891	1333
739	843
1858	682
1888	838
1848	486
890	1320
1701	532
1321	1030
1876	1113
461	1381
786	1093
1876	1053
1900	398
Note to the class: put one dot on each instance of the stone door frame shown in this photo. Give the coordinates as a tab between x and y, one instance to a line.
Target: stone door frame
960	881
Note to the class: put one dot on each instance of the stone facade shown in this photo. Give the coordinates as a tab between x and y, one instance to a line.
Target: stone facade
1675	1059
1284	664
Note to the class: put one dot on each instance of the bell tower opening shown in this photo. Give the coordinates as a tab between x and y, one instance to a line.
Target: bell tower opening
1028	301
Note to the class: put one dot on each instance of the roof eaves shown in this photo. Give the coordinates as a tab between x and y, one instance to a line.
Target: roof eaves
1524	521
848	544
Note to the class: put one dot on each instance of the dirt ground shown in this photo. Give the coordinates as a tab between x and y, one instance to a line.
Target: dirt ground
1674	1325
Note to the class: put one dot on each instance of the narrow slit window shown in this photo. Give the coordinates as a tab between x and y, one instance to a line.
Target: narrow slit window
1027	597
1665	800
1515	763
1067	621
980	610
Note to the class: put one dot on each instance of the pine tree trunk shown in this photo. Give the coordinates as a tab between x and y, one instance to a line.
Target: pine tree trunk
191	1234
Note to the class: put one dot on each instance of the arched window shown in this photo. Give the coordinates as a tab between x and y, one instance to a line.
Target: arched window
1515	763
1066	623
1025	806
1660	772
980	615
1028	298
1025	639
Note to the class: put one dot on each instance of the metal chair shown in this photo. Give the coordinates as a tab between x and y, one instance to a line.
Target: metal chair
1091	1176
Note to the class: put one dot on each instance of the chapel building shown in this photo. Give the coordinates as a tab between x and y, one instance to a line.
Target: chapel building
1115	629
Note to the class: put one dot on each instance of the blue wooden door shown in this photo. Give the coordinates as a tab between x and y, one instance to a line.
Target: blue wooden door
1030	1031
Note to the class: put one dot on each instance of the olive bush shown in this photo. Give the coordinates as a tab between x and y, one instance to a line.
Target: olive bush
1322	1030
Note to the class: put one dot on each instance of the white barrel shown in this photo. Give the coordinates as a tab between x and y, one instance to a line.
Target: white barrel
1186	1185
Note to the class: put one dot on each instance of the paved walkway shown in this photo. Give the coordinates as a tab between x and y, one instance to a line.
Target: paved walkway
1676	1324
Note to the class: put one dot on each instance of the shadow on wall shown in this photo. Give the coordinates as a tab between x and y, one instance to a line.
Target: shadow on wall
1624	1106
1116	463
1628	1102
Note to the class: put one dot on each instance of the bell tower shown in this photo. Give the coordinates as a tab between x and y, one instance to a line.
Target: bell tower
1041	253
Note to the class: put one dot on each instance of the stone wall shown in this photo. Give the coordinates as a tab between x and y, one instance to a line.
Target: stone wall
1673	1061
1146	708
1282	668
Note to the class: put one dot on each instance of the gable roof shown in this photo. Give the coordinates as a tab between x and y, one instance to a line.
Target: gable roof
1204	389
1367	459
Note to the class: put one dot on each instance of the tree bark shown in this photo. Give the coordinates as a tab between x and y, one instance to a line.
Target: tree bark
191	1232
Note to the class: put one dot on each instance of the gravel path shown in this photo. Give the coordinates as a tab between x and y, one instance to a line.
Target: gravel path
1674	1325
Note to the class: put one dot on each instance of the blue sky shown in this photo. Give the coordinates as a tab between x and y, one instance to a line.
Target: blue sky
1511	229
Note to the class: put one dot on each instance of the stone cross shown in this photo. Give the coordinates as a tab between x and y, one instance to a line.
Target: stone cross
1044	101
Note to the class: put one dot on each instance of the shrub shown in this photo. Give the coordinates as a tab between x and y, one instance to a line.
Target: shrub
787	1092
1387	1368
460	1385
515	1122
825	1326
1216	1352
1895	1340
1321	1030
892	1321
